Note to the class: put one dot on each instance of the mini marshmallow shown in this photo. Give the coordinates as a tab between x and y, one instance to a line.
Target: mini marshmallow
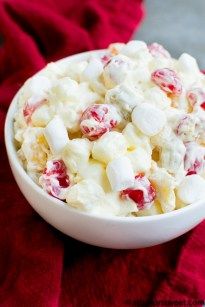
64	90
92	74
93	70
132	47
138	51
148	119
191	189
56	135
39	85
74	70
188	64
120	173
54	70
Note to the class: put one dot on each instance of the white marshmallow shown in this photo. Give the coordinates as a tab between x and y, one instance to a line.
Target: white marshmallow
39	85
148	119
188	64
54	70
120	173
56	135
92	74
64	90
74	69
191	189
93	70
137	51
133	47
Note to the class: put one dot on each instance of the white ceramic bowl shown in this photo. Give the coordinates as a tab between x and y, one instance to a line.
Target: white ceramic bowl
111	232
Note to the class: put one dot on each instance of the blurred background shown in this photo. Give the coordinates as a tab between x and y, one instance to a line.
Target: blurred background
179	25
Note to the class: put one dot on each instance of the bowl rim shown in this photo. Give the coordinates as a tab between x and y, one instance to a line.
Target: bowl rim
12	154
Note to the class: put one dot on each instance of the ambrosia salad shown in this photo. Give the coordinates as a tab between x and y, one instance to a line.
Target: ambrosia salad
121	133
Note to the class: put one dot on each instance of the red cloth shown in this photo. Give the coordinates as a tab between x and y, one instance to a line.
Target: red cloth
38	265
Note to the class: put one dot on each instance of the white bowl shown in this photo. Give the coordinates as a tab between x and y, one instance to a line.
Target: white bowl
111	232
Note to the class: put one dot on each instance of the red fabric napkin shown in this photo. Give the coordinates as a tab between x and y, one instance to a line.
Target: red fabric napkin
38	265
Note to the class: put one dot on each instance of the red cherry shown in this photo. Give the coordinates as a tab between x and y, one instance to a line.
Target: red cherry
142	194
194	160
54	178
203	105
98	119
158	50
167	80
